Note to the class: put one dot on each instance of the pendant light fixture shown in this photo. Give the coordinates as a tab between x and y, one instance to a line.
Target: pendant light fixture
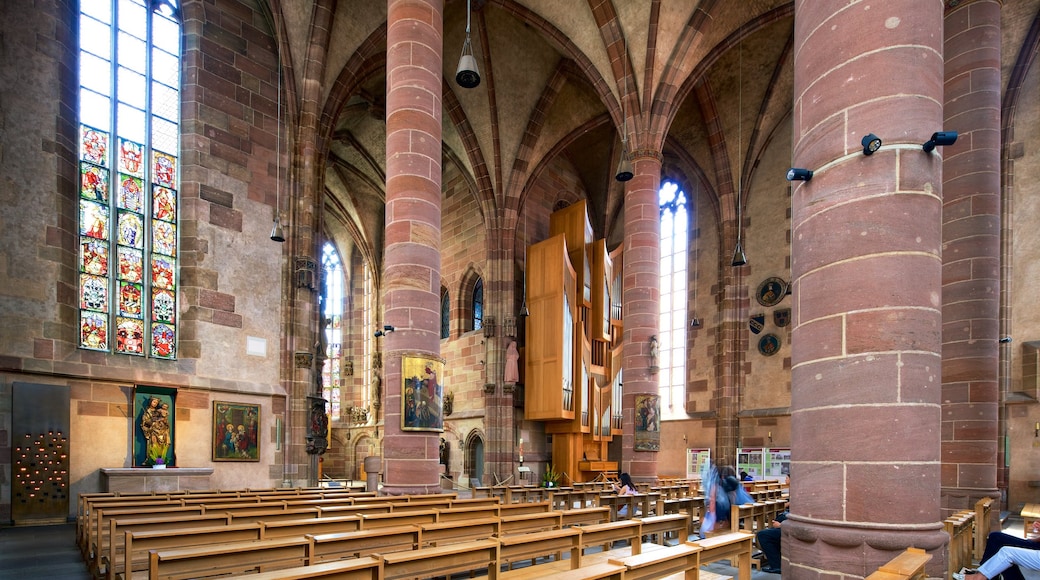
277	234
739	257
624	169
467	75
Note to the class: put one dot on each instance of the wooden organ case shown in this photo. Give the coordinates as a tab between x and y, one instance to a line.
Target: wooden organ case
574	343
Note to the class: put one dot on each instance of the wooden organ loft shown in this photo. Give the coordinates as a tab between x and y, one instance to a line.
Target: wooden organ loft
574	341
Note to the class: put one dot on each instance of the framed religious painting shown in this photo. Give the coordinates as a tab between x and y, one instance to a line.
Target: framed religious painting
422	394
236	429
647	423
153	426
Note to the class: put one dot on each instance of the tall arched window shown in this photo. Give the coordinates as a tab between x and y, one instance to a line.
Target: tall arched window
478	304
129	115
332	301
445	313
672	324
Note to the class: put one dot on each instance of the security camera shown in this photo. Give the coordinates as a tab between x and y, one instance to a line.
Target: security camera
1005	339
798	174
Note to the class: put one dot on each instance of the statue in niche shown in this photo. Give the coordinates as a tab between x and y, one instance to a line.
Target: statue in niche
512	372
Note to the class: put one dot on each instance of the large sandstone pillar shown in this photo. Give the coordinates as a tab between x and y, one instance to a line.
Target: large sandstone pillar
411	269
867	274
971	255
641	296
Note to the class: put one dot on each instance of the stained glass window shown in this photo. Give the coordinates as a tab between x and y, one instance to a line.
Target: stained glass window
445	313
332	308
129	96
672	325
478	304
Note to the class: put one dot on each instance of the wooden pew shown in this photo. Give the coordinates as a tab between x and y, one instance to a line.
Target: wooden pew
681	559
263	514
908	565
599	571
442	561
371	521
961	528
453	532
530	546
303	526
536	522
367	568
111	560
98	538
512	509
453	514
663	525
607	533
983	524
733	546
325	547
139	544
585	516
227	558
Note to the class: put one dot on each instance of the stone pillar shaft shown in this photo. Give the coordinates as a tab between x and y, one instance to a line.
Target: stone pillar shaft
867	275
411	270
971	255
640	299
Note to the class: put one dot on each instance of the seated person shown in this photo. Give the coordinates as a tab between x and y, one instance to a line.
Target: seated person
627	487
997	540
745	477
1006	558
769	541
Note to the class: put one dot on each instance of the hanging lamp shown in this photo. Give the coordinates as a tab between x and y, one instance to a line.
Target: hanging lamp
467	75
277	234
739	257
624	169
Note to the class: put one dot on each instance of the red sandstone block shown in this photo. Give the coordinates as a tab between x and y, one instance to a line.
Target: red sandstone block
915	502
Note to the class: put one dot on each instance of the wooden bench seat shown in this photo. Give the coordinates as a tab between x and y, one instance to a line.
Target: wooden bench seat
451	532
530	546
585	516
606	534
908	565
599	571
733	546
681	559
303	526
139	544
536	522
660	527
262	514
513	509
111	560
227	558
367	568
454	514
437	561
98	534
325	547
370	521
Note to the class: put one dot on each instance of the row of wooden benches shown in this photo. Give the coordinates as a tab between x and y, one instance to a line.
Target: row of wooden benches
112	545
394	553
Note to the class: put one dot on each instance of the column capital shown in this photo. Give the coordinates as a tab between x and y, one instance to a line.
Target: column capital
646	154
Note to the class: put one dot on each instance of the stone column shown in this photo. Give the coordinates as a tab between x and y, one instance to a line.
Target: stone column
411	263
641	295
971	255
867	274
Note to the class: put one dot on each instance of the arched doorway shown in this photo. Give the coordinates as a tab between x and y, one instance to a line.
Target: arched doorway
473	466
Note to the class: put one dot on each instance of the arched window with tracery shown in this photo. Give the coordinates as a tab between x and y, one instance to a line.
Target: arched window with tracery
672	323
445	313
129	147
477	303
332	305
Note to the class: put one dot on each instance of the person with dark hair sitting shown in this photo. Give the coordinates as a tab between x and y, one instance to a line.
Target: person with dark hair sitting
769	541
